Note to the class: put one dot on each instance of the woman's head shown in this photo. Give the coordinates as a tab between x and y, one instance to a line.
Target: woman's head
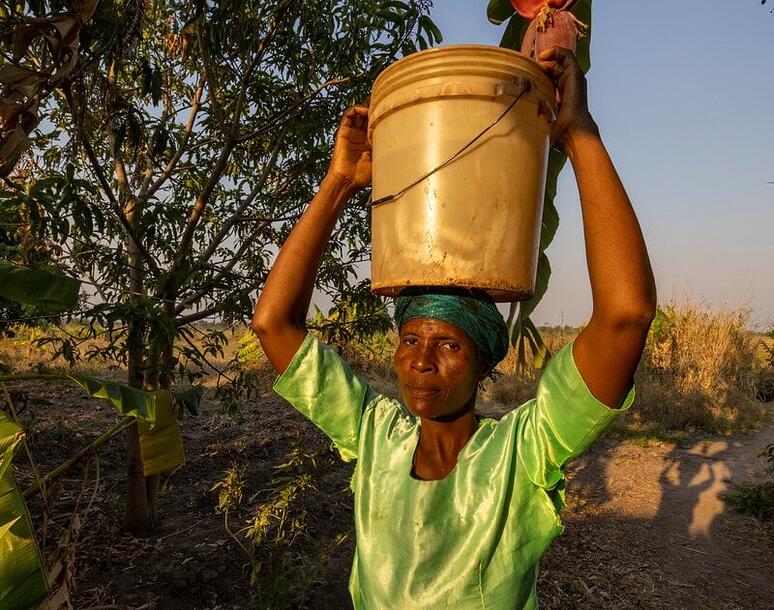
449	341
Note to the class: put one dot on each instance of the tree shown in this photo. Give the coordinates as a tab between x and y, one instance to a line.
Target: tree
174	154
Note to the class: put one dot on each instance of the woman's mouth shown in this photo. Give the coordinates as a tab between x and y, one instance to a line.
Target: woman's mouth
421	392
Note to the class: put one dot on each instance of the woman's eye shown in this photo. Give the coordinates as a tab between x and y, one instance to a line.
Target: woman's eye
409	341
451	346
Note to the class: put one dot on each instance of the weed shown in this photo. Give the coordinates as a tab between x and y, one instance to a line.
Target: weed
700	371
753	499
286	562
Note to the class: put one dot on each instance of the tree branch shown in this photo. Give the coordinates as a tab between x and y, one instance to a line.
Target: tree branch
170	167
291	111
200	204
115	206
231	221
205	288
262	46
212	310
208	74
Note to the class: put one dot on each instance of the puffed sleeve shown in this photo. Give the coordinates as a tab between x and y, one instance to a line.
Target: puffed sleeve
320	385
562	421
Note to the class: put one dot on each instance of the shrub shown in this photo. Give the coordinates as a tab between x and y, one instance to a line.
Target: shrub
700	371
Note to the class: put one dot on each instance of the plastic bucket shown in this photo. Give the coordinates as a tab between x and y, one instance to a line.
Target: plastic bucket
475	223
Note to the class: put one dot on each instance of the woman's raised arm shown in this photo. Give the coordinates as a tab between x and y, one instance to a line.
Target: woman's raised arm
279	320
609	348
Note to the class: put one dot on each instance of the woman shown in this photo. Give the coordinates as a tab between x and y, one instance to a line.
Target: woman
453	510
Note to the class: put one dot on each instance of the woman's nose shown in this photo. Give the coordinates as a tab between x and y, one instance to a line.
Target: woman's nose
423	361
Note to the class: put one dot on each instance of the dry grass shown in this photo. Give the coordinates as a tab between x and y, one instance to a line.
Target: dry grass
700	371
510	388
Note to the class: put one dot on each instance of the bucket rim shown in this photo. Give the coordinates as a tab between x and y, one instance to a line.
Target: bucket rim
400	73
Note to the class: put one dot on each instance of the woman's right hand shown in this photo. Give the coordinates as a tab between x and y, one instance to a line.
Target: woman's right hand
351	161
574	116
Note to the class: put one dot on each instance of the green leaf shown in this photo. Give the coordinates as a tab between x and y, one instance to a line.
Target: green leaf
514	32
56	293
82	217
498	11
22	579
550	222
582	10
541	285
161	447
540	352
126	400
432	30
190	399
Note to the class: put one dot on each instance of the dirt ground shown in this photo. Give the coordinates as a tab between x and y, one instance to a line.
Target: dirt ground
646	527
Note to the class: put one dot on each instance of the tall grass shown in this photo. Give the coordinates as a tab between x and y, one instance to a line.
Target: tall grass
700	371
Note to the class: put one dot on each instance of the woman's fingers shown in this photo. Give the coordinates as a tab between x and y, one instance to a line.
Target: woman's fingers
356	116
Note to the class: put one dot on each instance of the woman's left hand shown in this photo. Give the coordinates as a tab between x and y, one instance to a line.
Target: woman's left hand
574	116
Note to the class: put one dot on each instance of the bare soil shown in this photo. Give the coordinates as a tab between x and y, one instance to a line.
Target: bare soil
646	525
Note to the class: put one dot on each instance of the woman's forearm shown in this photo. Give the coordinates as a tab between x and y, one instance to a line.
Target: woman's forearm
622	284
279	320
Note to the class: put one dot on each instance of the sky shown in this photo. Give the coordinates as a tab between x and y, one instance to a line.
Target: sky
684	96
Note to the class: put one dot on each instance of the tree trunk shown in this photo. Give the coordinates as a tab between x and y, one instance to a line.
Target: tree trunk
158	375
137	509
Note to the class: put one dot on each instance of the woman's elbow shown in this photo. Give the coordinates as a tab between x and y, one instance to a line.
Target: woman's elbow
633	316
267	322
263	320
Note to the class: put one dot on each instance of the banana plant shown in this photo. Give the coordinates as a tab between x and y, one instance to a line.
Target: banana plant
23	582
51	291
22	578
533	25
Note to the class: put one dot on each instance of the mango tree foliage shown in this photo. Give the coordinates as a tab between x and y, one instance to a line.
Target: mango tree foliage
174	156
523	330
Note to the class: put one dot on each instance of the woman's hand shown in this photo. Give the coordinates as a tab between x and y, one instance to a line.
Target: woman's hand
574	116
351	161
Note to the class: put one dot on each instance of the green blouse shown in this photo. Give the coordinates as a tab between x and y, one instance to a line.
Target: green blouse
474	538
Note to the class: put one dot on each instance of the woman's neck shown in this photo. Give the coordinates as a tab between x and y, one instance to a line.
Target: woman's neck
440	443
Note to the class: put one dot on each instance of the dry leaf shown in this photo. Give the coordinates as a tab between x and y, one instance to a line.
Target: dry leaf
12	145
25	81
22	37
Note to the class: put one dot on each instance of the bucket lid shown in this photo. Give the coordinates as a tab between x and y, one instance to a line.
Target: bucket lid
465	70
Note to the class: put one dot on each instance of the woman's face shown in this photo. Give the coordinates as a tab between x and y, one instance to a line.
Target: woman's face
438	368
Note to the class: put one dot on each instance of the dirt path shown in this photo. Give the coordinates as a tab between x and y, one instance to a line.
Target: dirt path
655	519
646	528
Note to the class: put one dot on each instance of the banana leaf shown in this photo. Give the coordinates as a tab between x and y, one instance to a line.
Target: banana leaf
22	577
498	11
523	330
51	291
161	447
126	400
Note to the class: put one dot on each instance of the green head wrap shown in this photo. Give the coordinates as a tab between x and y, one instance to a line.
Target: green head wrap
474	313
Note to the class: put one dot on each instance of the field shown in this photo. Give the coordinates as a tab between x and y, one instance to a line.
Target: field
646	523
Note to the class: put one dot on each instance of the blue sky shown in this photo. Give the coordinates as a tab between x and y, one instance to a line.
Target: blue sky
684	95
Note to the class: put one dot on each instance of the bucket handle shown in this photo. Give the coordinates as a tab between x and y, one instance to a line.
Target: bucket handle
527	86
